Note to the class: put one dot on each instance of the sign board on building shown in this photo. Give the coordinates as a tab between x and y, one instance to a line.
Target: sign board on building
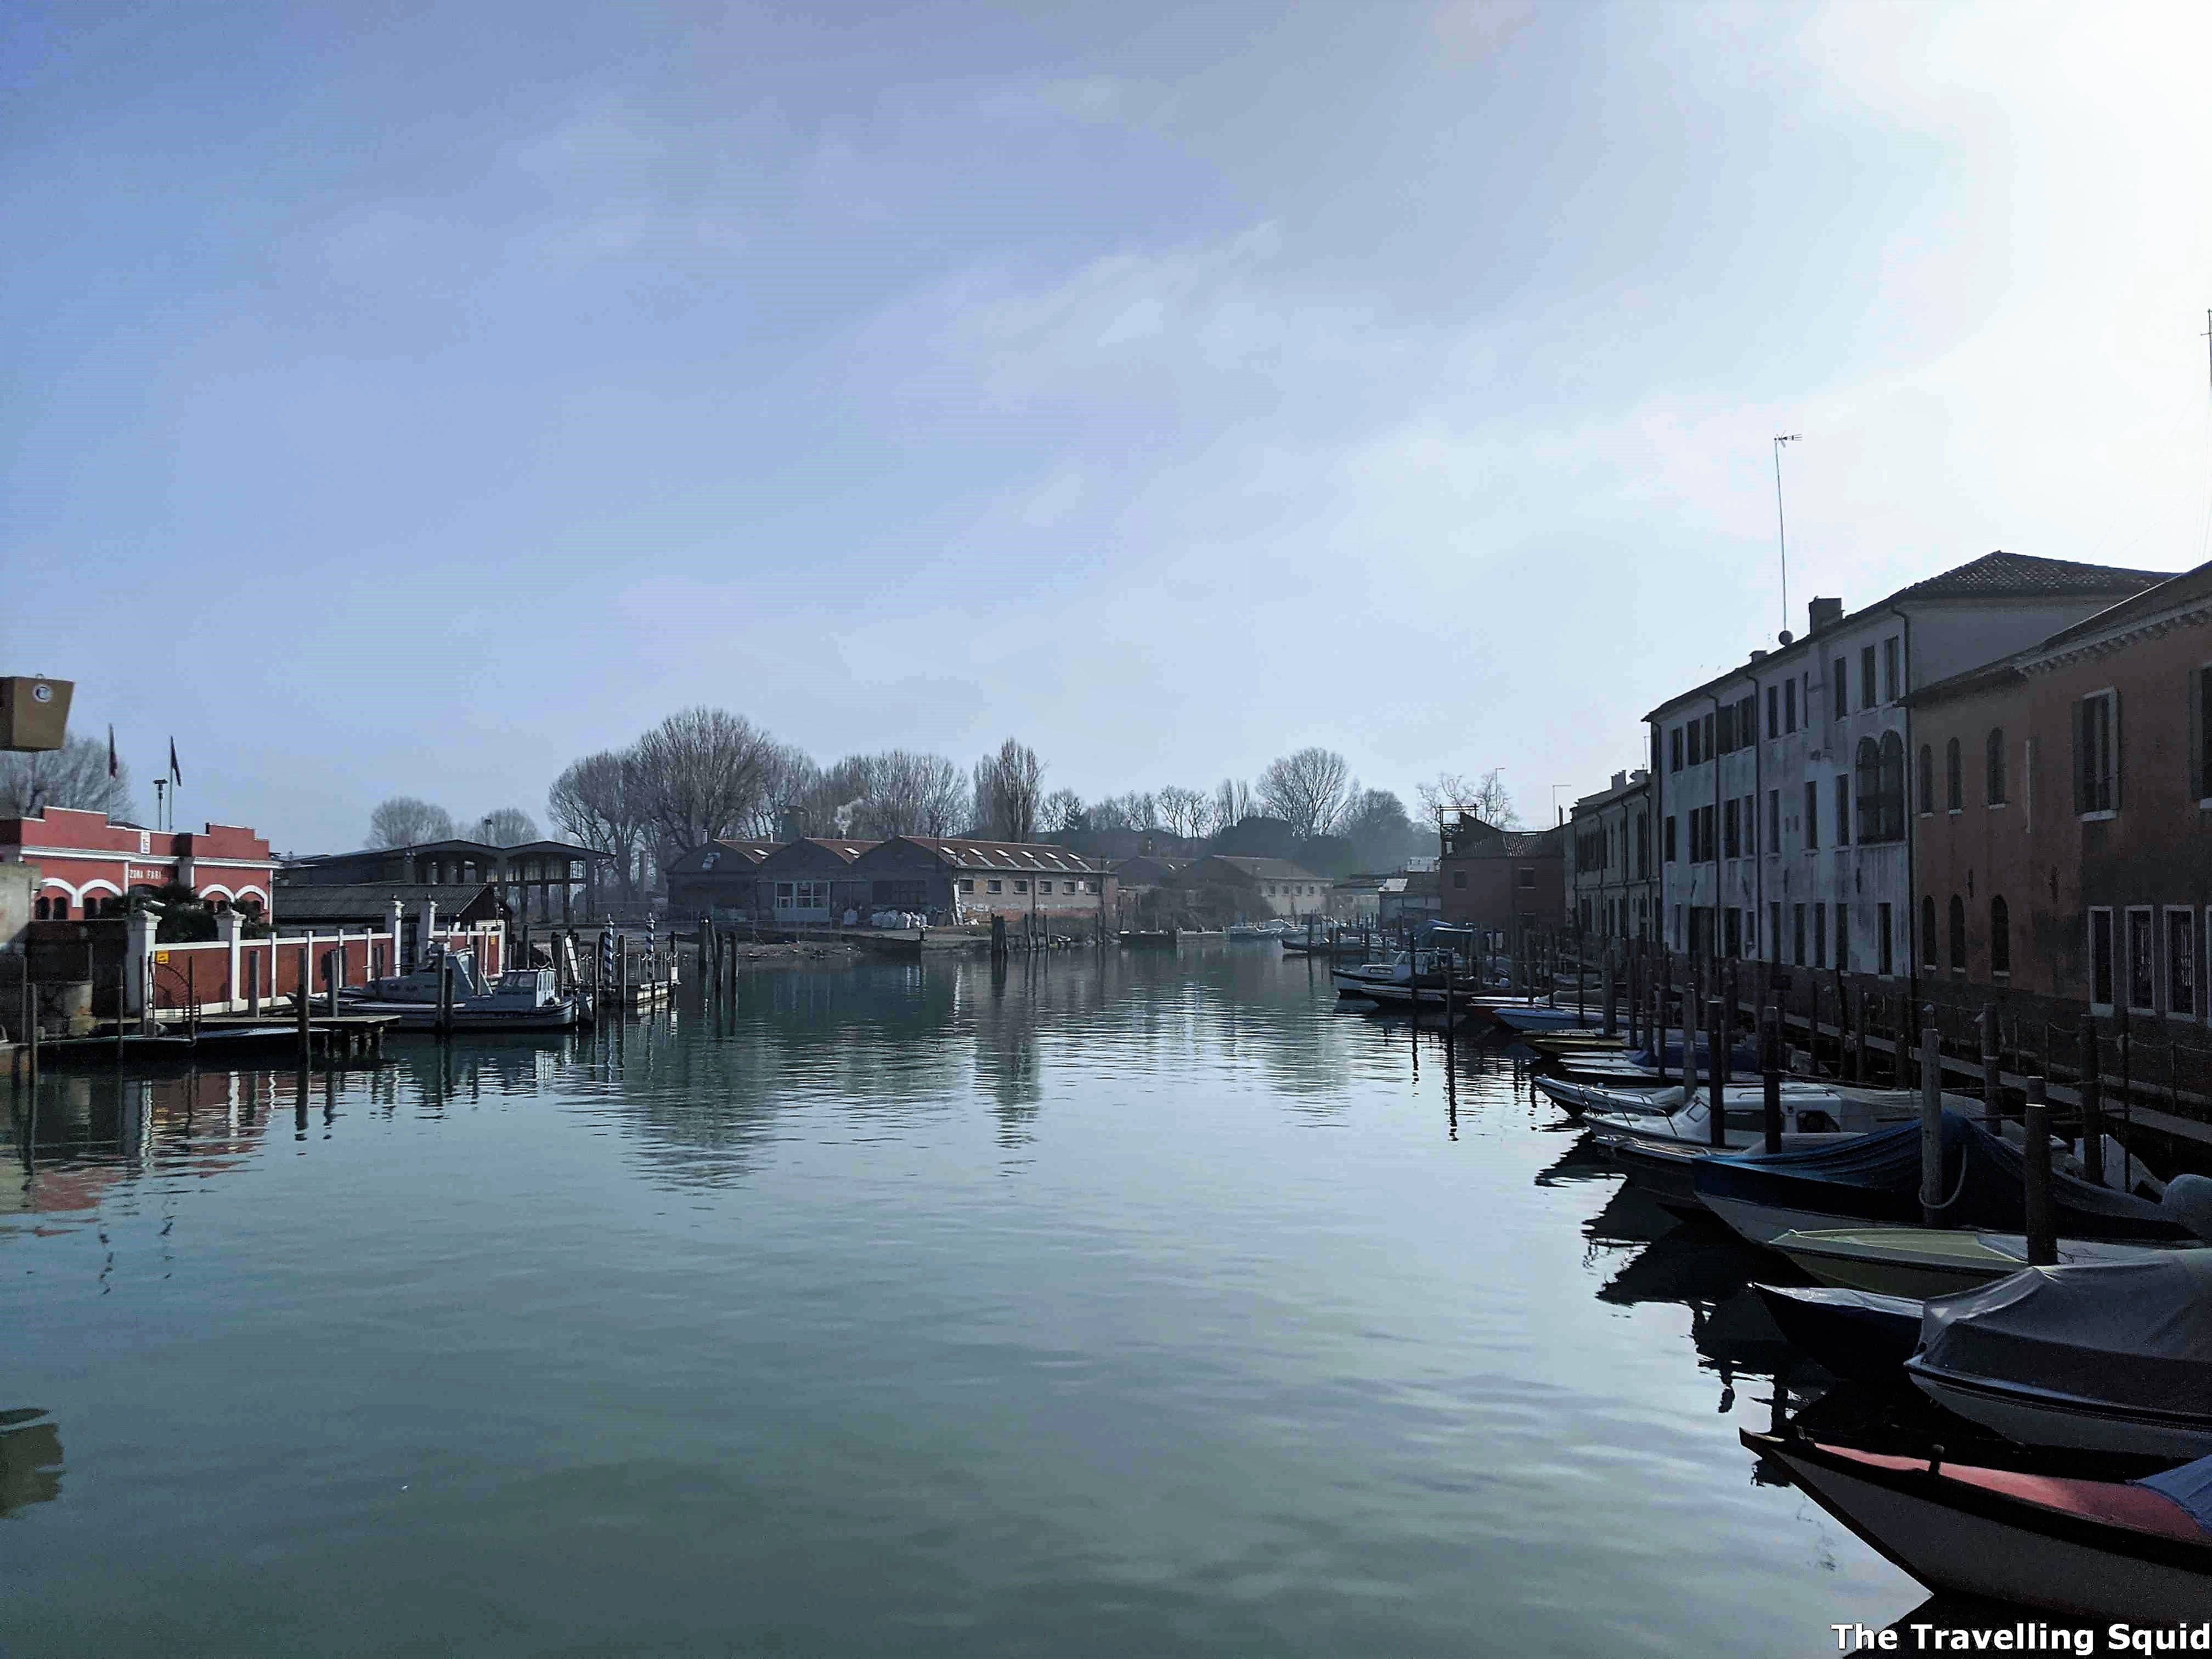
34	712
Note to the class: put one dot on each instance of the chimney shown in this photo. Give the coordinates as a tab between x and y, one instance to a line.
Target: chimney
1823	614
1620	780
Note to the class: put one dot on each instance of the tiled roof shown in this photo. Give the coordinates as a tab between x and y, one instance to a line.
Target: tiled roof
316	900
2014	575
724	856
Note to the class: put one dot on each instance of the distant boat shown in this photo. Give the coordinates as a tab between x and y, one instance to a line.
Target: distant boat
1149	939
520	1000
1245	930
2138	1550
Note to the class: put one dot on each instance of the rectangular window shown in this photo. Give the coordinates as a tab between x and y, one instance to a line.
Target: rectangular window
2181	963
1774	931
2101	987
1459	878
1732	828
994	887
1774	820
1773	711
1751	825
1866	678
1844	938
1731	933
2203	706
1024	887
1789	707
1725	741
1798	934
1674	750
2142	990
1812	814
1892	685
1090	886
1528	877
1843	809
1670	838
1842	695
1708	724
1820	936
968	883
1885	941
2096	747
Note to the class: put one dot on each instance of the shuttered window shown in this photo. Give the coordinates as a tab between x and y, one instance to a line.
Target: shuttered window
2097	753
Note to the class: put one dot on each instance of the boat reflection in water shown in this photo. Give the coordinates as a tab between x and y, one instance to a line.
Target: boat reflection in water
30	1459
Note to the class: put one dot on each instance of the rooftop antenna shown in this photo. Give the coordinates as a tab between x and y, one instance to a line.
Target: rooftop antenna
1780	529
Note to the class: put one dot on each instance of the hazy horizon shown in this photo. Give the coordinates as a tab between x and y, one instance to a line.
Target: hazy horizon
409	406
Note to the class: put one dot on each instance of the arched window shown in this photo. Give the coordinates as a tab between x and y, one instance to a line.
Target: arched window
1954	782
1927	780
1928	931
1999	937
1957	934
1993	762
1893	787
1867	773
40	910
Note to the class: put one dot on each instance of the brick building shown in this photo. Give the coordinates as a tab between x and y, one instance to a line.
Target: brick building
88	864
1505	881
816	880
1265	887
2062	823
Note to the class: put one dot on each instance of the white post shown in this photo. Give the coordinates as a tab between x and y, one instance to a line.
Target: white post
137	982
397	917
229	927
426	923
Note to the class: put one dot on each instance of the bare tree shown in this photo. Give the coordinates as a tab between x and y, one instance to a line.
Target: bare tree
1182	811
703	774
1063	810
1007	793
909	794
405	821
75	774
1381	833
595	803
1306	790
790	777
505	826
1486	797
1233	803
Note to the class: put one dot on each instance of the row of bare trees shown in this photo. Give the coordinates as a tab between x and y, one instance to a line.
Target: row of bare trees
408	821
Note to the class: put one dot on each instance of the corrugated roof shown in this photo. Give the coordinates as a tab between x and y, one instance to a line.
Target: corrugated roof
725	855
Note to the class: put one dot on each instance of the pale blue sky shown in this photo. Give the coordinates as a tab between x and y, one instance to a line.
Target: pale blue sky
409	398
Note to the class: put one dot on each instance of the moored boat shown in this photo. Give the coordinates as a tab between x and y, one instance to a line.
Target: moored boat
2109	1357
1855	1333
2138	1550
519	999
1929	1262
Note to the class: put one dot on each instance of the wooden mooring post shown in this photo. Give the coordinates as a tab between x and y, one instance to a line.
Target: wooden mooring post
2092	1104
2042	1245
1716	1052
1992	1087
1931	1127
303	996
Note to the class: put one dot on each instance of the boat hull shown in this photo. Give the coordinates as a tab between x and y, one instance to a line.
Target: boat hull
1855	1333
1986	1545
2031	1419
413	1017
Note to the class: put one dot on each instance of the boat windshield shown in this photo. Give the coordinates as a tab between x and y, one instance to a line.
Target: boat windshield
520	979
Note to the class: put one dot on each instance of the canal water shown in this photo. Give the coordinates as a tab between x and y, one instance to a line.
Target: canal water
1148	1304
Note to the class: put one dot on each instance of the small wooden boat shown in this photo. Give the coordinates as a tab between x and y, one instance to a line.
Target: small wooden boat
103	1050
1925	1262
1855	1333
1537	1016
2138	1550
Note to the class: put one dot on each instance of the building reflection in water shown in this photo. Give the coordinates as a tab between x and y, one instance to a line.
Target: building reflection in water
80	1134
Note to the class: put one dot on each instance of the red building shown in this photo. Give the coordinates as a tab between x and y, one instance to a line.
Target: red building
88	864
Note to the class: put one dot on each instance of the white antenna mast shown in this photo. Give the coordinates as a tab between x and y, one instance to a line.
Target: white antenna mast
1780	529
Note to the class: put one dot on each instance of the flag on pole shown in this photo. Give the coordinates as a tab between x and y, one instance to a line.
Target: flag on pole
115	767
176	777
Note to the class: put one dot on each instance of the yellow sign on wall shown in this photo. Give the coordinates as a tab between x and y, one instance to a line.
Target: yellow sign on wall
160	956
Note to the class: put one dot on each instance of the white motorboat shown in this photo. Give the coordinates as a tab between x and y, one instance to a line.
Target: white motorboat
420	982
519	999
2139	1551
1682	1118
1245	930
